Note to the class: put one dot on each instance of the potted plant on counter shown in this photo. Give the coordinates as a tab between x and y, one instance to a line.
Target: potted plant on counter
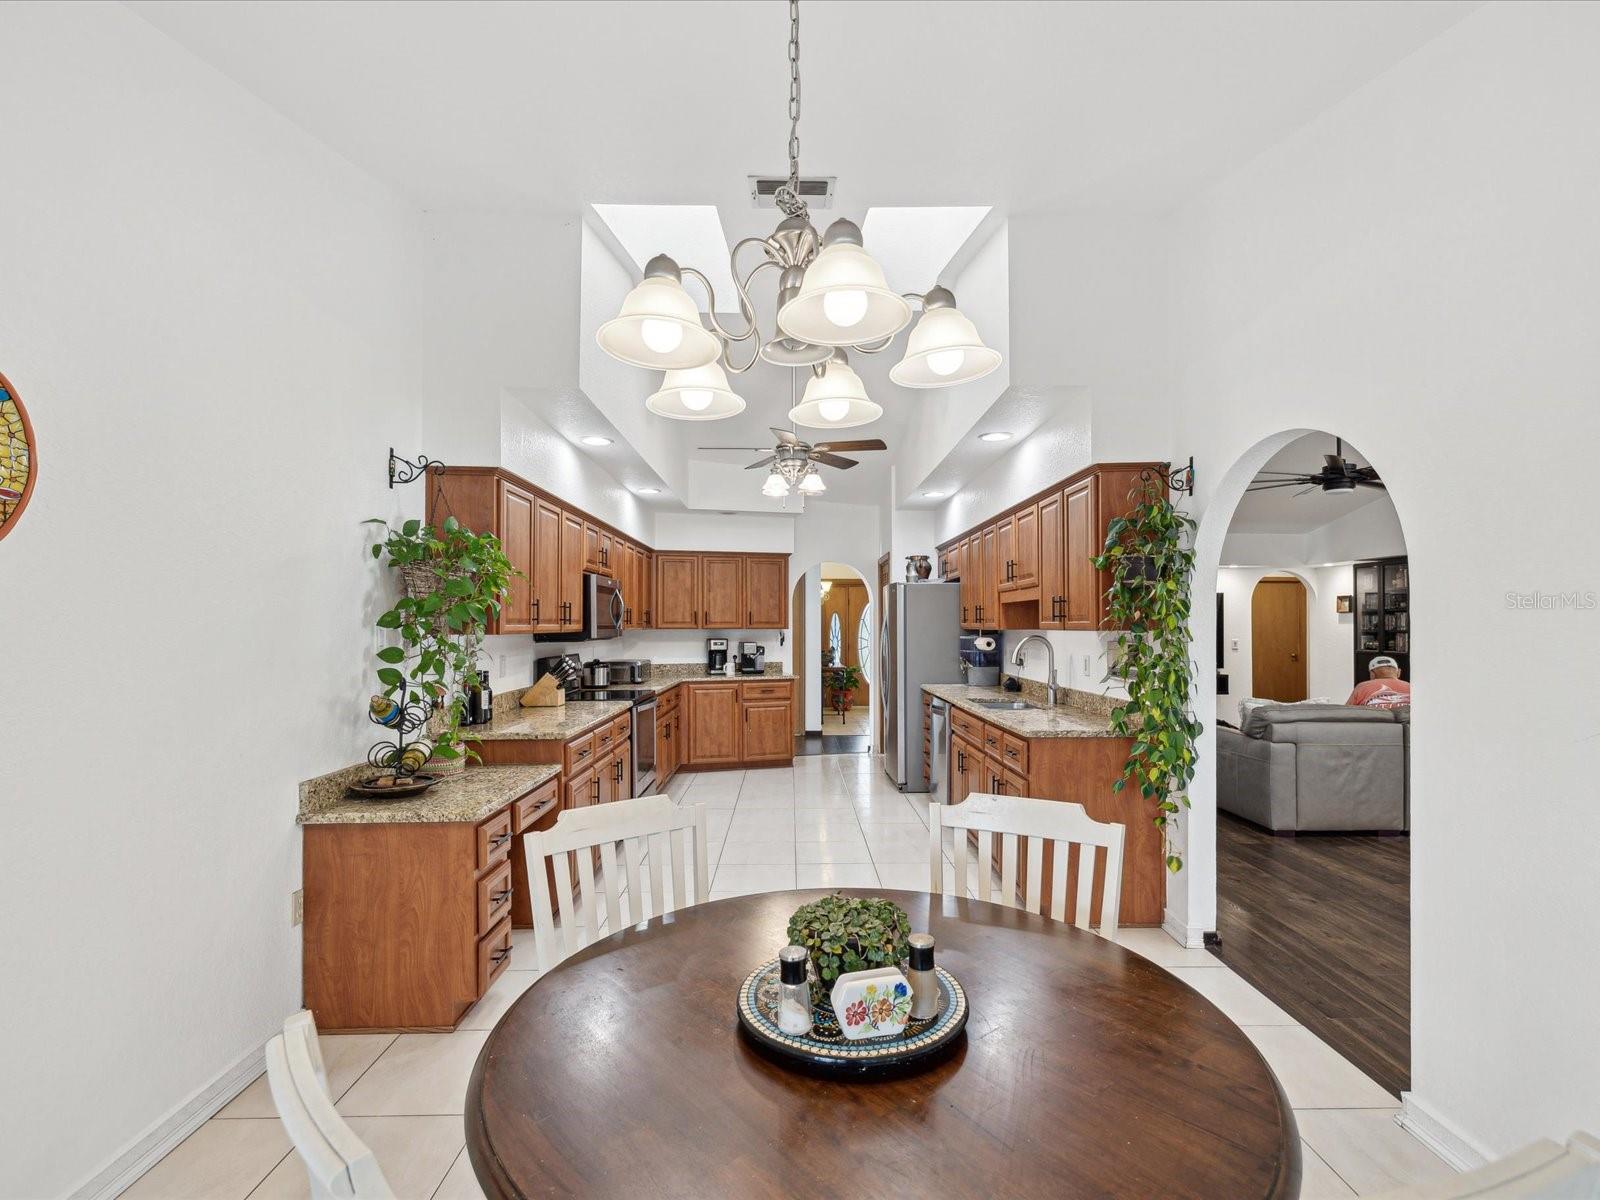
454	579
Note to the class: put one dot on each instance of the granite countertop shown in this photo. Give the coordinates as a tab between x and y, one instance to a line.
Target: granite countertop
465	796
512	722
1064	720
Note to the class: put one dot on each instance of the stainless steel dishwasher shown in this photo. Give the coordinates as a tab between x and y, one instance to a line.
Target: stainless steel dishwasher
939	748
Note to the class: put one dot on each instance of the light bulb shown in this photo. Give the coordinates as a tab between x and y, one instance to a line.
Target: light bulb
812	485
833	410
845	307
946	362
695	399
663	336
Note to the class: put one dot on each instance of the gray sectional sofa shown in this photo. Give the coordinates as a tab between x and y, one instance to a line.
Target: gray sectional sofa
1296	768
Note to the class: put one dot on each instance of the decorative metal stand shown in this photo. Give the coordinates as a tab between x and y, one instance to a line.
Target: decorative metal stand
406	719
403	470
1180	479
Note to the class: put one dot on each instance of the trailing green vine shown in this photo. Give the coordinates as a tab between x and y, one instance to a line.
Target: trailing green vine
1151	558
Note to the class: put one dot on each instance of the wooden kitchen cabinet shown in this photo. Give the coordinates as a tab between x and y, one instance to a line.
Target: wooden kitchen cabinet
714	723
515	531
988	597
647	586
598	549
1052	563
766	592
721	591
768	734
677	591
569	602
1081	609
545	589
1020	541
732	724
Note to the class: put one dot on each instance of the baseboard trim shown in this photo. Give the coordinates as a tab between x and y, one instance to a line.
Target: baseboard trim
1191	937
1439	1135
157	1141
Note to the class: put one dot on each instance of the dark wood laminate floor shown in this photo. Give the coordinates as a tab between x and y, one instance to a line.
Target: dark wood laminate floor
1321	924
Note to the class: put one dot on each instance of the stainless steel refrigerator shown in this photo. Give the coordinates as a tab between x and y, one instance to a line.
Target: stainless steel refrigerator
919	643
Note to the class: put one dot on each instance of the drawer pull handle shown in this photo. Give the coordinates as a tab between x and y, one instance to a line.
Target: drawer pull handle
499	956
496	899
498	840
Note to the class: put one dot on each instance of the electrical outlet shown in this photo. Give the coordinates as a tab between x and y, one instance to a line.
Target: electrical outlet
297	907
502	666
1086	667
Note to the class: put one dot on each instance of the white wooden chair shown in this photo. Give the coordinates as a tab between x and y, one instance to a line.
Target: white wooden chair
338	1163
645	822
1013	819
1542	1171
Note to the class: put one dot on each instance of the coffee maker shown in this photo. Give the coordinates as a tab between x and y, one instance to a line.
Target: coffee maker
716	656
752	658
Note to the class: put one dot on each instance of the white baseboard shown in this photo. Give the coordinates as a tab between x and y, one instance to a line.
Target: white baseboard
1191	937
1439	1135
156	1142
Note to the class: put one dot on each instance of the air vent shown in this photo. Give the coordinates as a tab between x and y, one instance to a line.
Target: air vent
815	190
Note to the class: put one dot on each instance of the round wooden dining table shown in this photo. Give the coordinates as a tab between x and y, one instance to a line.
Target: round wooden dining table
1084	1070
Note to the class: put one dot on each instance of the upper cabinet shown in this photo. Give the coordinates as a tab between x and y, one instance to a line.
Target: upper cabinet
766	591
1032	567
516	539
721	591
677	591
545	590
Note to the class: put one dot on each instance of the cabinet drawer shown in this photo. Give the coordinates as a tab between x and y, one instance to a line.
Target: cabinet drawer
494	896
494	954
991	741
1014	752
966	725
494	839
621	729
779	690
580	754
535	804
605	740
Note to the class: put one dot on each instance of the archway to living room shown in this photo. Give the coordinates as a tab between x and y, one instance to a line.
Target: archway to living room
835	621
1312	658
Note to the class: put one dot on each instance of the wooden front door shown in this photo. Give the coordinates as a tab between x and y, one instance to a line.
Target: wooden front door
1278	639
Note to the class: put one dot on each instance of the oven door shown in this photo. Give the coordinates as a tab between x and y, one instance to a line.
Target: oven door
602	607
643	715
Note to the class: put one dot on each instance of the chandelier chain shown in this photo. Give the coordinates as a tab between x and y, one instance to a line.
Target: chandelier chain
788	196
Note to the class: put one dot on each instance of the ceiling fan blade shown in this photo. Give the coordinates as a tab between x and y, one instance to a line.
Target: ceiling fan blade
745	449
762	462
1377	483
1280	483
832	460
865	444
785	438
1284	474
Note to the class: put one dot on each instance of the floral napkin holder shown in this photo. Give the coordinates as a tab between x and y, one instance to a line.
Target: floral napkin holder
872	1004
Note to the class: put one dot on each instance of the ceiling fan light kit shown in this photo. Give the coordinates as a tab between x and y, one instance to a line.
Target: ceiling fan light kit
832	294
695	394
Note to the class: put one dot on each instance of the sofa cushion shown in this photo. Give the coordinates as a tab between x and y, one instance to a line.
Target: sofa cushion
1261	721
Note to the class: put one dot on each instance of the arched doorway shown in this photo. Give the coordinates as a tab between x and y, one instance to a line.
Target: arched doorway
1302	800
835	637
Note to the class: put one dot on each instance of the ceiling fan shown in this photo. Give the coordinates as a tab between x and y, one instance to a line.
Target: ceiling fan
793	463
1338	476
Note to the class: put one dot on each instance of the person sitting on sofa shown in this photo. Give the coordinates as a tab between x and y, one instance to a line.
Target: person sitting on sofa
1385	689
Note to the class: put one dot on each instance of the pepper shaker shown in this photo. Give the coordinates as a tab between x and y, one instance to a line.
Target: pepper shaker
924	980
794	991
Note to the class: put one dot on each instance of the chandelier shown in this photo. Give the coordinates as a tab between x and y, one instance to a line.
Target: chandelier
832	297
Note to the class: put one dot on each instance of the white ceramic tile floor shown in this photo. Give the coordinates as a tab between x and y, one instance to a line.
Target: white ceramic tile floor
845	826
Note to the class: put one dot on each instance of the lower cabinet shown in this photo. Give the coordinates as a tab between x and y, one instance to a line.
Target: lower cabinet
768	731
713	723
736	723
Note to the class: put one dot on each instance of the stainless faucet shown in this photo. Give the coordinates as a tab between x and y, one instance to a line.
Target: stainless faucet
1016	661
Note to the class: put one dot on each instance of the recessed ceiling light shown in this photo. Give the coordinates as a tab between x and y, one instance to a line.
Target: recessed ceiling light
933	495
595	439
648	491
996	436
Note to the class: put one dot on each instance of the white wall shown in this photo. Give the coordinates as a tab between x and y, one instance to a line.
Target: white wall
1330	635
210	318
1415	269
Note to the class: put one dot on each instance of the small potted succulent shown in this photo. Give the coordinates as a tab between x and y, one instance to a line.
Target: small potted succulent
849	933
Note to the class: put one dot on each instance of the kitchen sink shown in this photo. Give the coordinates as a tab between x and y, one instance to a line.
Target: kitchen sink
1006	704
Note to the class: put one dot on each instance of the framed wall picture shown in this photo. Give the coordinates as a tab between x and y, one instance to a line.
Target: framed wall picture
19	464
1344	604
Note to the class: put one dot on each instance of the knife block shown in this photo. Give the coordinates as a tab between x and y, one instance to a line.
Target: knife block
546	693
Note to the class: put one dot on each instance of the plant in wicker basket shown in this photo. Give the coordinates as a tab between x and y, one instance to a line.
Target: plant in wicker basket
454	579
849	933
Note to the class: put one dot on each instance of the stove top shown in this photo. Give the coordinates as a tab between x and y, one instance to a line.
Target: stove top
637	695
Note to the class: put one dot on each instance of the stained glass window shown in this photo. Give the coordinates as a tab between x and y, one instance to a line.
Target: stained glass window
864	644
16	457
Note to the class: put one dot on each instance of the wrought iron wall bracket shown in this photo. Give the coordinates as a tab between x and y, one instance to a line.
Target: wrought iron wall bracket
1180	479
403	470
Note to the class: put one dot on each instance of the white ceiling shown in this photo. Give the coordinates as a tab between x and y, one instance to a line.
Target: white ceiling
1289	510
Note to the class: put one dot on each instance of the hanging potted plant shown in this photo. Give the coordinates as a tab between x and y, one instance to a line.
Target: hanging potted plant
454	580
1151	559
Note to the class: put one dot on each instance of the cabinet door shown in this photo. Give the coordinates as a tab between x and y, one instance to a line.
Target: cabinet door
570	602
967	766
633	591
1052	564
546	587
666	750
608	562
964	569
768	731
713	723
989	578
677	591
721	592
516	539
766	592
1082	606
647	587
1005	555
591	547
1025	549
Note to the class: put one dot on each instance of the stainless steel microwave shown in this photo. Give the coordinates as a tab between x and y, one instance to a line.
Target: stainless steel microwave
602	607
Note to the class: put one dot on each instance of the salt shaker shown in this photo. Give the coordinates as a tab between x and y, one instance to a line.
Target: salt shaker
922	977
794	991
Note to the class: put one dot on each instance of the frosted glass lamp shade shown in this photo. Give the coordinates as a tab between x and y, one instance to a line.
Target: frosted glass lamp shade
776	486
836	399
659	328
697	394
844	300
811	484
943	350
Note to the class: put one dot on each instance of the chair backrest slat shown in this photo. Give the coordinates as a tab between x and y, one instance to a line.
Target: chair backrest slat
1036	829
649	828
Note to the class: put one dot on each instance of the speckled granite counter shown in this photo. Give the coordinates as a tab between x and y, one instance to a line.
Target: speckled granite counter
468	795
1062	721
513	723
